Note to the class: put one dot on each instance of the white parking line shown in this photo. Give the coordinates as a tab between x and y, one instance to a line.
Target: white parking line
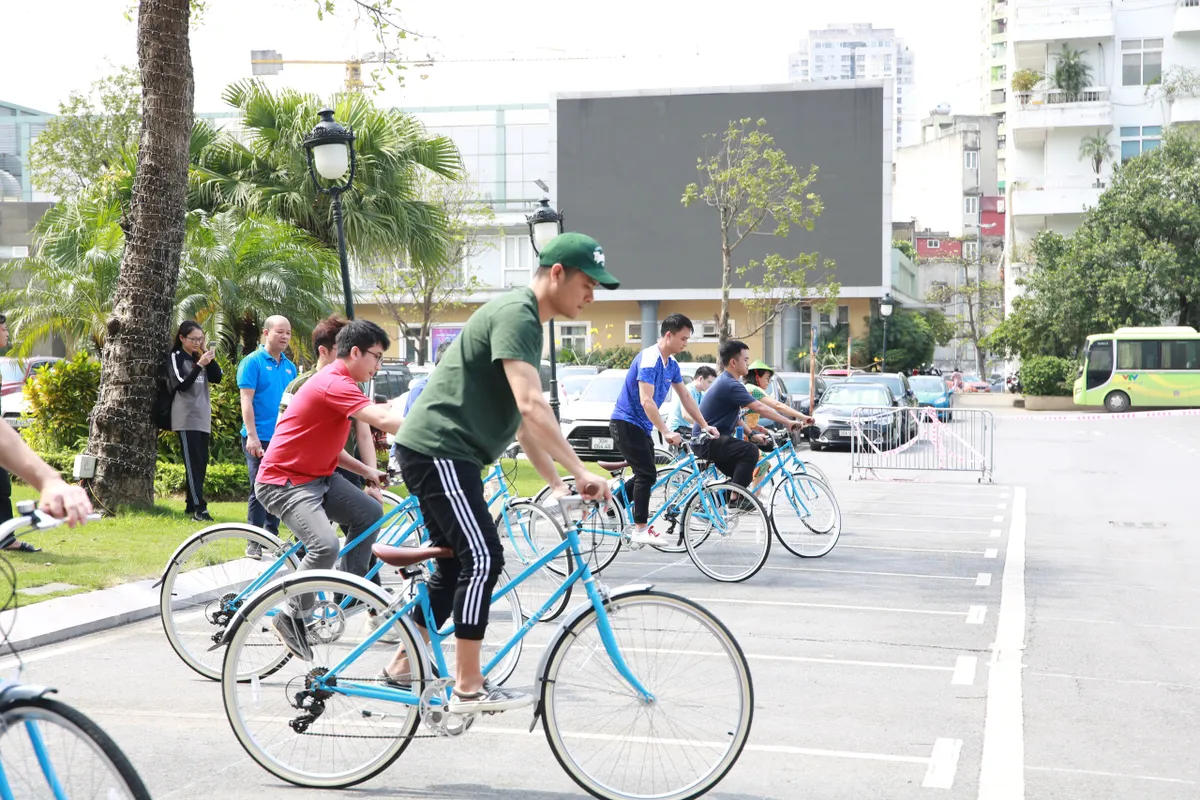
1118	622
1113	775
920	575
995	534
788	604
856	513
859	534
923	503
983	579
943	763
998	518
964	671
1127	681
1002	506
975	615
1001	776
992	552
909	549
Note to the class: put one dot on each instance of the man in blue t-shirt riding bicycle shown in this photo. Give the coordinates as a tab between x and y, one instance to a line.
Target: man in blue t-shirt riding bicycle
652	374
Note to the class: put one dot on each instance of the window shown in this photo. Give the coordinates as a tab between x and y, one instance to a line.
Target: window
573	337
633	330
1135	140
970	250
933	244
970	205
518	260
1141	61
706	330
843	315
971	159
1138	355
1181	355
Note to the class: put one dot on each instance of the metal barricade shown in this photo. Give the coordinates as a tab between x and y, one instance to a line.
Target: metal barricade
943	440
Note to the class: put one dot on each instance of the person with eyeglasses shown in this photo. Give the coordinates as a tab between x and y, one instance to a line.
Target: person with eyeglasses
299	480
191	370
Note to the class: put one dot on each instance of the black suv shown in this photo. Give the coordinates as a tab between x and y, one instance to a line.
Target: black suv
392	380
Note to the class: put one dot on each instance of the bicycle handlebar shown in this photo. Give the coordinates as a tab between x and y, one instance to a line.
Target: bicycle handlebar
29	516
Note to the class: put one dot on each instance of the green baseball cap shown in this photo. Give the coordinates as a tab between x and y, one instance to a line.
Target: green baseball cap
581	252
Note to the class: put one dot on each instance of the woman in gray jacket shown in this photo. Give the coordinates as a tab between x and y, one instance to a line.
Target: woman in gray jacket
190	370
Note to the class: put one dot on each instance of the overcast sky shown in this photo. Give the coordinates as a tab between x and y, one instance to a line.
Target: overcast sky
55	46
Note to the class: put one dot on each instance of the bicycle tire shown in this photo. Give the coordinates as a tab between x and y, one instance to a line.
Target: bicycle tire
811	503
809	468
603	542
527	547
567	682
193	650
284	683
749	530
673	518
73	722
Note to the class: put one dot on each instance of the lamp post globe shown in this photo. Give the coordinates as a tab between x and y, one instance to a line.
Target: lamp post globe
886	306
544	224
330	149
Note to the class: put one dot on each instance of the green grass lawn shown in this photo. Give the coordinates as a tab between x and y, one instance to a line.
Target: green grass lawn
134	546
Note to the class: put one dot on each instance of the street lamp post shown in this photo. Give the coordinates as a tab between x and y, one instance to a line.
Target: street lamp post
330	150
885	311
544	224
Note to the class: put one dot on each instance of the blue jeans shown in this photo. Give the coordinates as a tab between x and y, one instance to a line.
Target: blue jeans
255	513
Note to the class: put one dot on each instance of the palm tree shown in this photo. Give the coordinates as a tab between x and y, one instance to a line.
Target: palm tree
1097	150
268	173
238	270
68	285
1071	73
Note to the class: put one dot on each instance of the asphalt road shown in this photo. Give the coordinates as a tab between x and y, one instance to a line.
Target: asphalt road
872	666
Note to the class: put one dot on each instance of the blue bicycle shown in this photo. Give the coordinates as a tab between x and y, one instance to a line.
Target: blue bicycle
642	694
47	748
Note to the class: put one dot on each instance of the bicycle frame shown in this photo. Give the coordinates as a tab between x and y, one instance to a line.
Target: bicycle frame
581	573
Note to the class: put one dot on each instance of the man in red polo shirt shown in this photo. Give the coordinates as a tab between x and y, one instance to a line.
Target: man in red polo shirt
298	481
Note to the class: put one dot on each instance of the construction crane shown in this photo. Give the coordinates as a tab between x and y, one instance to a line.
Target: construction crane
270	62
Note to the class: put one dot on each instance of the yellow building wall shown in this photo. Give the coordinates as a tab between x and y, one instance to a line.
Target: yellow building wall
607	322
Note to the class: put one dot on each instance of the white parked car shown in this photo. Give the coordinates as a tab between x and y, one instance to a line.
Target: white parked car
585	420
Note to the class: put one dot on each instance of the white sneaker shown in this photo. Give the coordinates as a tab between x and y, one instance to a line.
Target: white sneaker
490	699
644	536
374	621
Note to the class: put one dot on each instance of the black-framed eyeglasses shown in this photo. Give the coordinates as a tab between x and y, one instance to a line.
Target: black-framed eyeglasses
194	339
378	356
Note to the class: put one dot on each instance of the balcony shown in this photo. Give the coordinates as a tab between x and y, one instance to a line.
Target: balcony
1185	110
1034	113
1044	197
1187	18
1061	20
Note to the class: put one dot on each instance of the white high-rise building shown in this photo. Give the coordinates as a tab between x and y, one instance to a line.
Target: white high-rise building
994	73
1132	50
846	52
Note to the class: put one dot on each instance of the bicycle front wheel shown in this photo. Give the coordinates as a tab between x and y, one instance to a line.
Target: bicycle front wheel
84	759
527	532
613	743
335	740
729	534
806	515
209	578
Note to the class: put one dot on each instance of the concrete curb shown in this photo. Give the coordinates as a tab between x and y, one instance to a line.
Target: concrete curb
63	618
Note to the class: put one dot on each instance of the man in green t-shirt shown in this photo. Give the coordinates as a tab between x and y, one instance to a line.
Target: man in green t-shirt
486	389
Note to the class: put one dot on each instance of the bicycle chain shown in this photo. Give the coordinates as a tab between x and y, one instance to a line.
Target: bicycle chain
363	736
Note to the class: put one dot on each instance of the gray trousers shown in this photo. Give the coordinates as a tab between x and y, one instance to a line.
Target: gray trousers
310	511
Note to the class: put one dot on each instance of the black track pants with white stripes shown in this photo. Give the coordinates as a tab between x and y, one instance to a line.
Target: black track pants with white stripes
456	515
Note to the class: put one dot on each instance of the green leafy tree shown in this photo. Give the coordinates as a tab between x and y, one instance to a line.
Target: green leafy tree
1133	261
419	291
386	218
1097	151
910	341
906	247
940	326
1071	73
60	398
89	136
755	190
67	287
236	271
977	301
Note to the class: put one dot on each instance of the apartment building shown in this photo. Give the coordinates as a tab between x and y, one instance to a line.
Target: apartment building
941	181
1129	47
850	51
995	73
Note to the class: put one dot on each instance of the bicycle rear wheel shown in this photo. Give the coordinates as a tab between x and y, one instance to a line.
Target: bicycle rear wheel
806	515
729	534
84	759
348	739
203	587
615	745
670	523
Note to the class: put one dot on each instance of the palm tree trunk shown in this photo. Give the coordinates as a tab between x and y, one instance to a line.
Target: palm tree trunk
123	437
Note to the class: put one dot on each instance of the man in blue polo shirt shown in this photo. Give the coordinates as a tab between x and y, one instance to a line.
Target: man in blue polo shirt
262	378
653	372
